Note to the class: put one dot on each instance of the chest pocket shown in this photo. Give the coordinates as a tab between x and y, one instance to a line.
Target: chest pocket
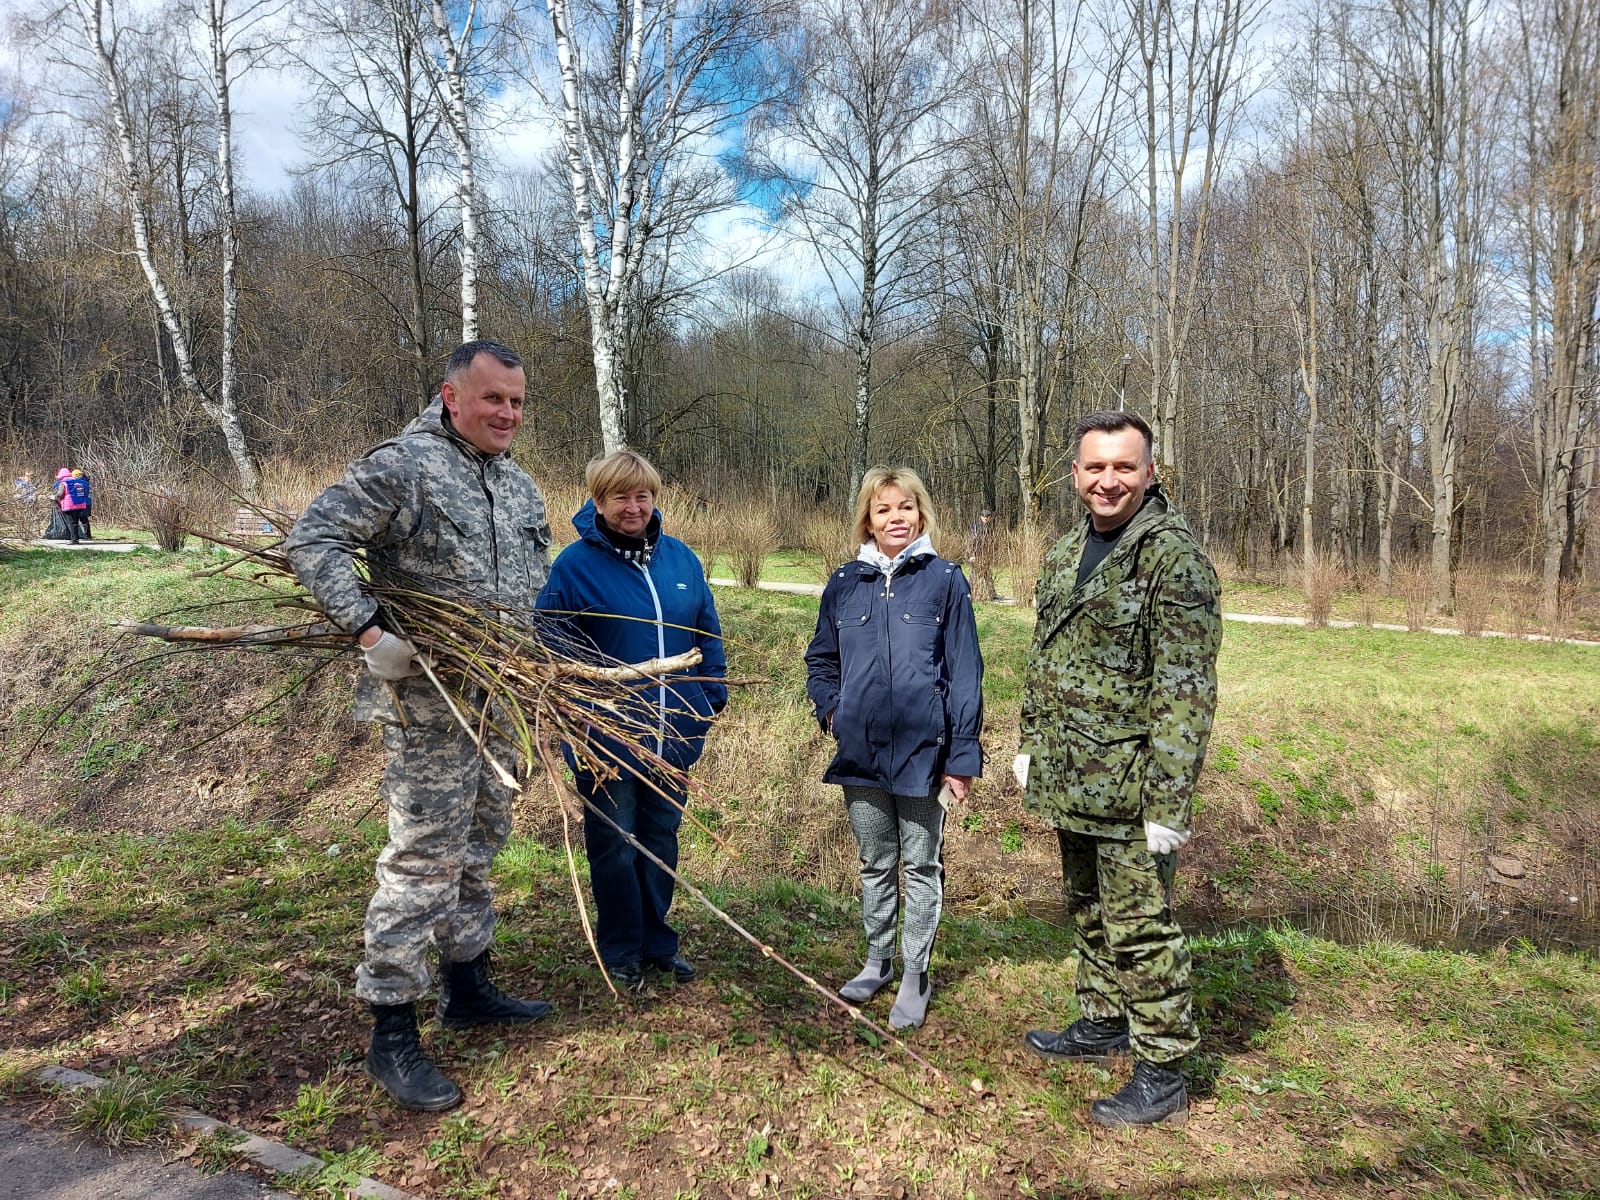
852	616
1112	631
923	614
454	541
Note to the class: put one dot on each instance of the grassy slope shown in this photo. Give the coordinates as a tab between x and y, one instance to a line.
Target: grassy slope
220	955
220	958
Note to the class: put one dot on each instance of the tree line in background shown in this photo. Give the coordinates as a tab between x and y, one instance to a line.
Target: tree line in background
1346	260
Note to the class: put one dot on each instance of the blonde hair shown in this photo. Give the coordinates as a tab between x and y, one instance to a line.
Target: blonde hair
621	471
909	482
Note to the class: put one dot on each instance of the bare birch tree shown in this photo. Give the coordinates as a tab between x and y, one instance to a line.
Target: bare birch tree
641	87
855	151
1188	82
1435	134
1043	124
375	115
232	43
105	40
457	45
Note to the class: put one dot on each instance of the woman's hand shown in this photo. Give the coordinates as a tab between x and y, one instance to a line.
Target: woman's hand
960	787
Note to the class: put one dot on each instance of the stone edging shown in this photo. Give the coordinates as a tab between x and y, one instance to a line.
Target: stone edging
264	1153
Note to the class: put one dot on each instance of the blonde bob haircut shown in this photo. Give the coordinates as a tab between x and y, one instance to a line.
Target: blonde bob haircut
622	471
909	482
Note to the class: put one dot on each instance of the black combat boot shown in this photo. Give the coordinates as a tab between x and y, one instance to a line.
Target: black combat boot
467	998
1082	1041
1154	1096
397	1063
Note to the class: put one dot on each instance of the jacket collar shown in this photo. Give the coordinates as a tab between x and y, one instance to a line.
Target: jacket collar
587	522
1155	512
435	420
873	557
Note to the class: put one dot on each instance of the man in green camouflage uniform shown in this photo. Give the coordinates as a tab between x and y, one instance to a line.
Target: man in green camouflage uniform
1120	691
443	509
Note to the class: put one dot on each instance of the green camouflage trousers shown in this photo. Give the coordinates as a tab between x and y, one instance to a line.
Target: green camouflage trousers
1133	961
448	817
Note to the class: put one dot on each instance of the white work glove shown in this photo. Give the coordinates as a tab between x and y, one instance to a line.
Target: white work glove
390	657
1019	769
1162	840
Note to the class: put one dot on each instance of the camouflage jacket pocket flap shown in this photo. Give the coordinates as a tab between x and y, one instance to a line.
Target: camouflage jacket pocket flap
1106	727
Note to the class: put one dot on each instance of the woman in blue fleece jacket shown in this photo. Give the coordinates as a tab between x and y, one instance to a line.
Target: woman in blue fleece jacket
634	593
895	674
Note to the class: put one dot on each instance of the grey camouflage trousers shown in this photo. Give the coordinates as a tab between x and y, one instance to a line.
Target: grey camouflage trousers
448	818
891	830
1133	961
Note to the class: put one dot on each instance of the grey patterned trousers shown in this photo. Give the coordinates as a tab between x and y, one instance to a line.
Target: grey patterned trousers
448	817
891	830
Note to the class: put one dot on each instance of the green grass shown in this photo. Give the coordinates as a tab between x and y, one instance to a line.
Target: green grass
1346	766
1321	734
129	1109
1470	1074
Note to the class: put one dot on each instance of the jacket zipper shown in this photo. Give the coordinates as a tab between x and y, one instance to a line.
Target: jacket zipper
661	652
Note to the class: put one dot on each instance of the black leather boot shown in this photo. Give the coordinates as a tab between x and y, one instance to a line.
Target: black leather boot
467	998
1082	1041
1154	1096
397	1063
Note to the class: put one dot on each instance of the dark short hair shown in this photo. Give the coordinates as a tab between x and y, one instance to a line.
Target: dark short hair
1112	421
461	357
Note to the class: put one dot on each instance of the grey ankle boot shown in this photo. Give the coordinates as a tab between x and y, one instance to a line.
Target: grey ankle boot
874	977
911	1004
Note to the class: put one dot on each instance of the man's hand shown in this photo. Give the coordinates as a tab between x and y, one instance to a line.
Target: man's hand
1019	768
388	657
1162	840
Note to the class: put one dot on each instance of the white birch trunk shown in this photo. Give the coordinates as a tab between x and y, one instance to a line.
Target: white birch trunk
220	409
607	285
454	96
227	388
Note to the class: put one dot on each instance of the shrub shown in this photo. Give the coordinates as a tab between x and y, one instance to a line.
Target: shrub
1366	584
1474	600
561	503
1416	588
750	533
1023	553
688	518
1323	580
826	538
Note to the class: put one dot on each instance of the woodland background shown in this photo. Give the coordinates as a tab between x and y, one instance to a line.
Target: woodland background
1344	256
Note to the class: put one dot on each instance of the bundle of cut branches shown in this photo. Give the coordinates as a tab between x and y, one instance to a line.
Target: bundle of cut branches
504	672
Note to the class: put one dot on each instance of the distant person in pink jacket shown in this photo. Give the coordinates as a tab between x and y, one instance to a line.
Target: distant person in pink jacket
72	497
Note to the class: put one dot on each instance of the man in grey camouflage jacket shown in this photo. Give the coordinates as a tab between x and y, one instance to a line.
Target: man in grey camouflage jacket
1118	702
442	509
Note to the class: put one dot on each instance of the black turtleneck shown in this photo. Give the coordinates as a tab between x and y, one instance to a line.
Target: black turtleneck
634	549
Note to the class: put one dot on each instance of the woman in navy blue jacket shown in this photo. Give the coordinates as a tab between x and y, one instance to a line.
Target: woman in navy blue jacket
634	593
895	674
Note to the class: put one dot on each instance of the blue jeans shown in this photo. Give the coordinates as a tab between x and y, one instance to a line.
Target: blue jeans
632	894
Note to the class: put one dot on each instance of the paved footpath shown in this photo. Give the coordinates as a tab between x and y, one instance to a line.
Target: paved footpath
815	589
40	1164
